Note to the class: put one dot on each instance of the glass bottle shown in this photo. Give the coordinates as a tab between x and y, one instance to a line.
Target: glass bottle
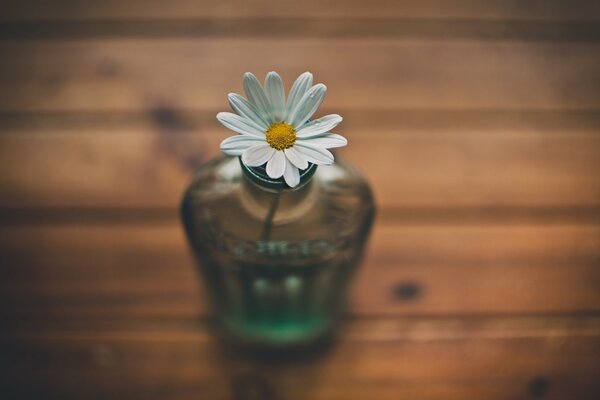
277	261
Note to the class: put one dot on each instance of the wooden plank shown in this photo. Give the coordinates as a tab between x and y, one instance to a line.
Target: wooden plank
147	271
183	9
127	74
483	269
491	358
151	166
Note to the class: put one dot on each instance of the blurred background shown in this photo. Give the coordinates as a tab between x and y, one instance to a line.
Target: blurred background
476	122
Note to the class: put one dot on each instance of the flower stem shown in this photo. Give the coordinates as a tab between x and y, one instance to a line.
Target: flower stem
266	232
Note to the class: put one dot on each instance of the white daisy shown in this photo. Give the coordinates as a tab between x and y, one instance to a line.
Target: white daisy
278	133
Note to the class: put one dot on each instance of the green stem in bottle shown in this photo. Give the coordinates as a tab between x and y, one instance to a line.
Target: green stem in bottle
266	231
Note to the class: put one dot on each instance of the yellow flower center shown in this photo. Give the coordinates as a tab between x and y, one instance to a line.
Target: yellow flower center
281	136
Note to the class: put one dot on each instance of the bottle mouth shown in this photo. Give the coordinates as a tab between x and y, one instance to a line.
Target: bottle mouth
258	175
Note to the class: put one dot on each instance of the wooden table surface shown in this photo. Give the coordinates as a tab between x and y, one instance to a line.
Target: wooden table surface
477	123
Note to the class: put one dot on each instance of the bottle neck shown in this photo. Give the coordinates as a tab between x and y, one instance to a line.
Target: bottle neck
282	203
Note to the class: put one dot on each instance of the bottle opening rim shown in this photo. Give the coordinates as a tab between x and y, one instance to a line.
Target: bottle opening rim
258	175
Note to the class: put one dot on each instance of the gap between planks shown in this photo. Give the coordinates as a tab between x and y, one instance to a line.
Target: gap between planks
418	215
378	329
361	119
285	27
185	9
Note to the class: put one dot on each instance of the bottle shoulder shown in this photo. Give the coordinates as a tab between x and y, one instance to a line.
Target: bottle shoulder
222	178
336	202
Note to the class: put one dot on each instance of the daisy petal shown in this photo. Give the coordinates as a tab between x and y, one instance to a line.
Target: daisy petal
239	124
296	158
315	155
276	95
326	141
307	106
291	175
319	126
236	145
276	165
302	84
242	107
256	96
257	155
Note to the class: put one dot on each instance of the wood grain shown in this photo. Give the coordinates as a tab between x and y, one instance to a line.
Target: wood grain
128	74
420	358
146	271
